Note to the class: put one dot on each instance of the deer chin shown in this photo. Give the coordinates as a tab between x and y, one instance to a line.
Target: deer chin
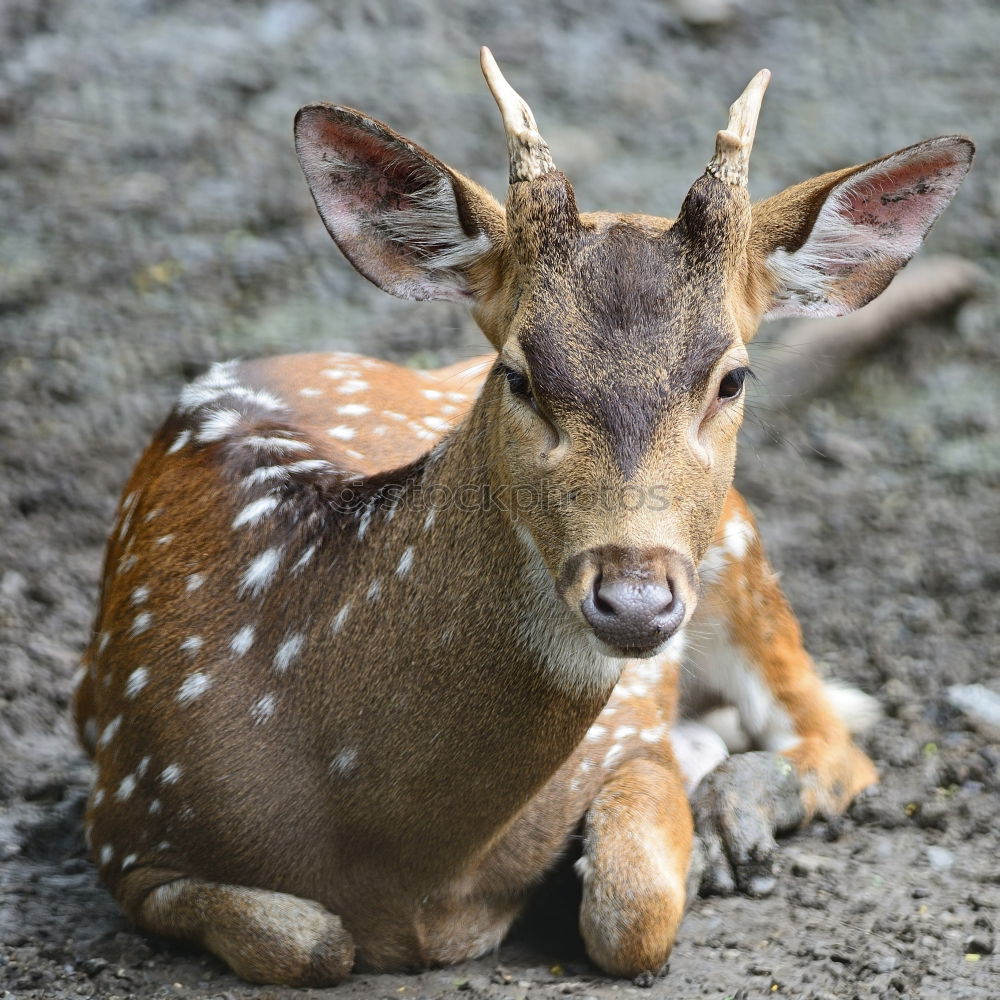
636	651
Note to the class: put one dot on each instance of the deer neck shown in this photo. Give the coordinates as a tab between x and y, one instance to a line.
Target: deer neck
486	685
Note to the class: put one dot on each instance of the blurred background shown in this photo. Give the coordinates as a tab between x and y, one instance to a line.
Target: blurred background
153	219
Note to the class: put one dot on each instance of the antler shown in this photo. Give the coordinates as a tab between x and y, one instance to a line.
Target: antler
731	162
527	150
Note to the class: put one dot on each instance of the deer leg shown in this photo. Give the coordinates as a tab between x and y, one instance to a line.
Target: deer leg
807	763
263	936
634	868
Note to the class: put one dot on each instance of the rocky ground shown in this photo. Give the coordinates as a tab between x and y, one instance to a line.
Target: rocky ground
152	218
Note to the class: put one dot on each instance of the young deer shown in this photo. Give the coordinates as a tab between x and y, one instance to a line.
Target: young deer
350	698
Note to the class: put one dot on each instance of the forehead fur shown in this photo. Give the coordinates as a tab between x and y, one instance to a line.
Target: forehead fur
623	329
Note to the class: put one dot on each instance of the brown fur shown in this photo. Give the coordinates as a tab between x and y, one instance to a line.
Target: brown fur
337	719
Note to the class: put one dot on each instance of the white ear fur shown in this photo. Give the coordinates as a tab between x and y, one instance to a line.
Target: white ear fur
390	206
869	226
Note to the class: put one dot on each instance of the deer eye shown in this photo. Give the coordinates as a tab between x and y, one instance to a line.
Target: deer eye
519	385
732	383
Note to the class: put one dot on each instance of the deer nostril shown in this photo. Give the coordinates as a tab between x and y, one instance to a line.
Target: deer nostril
601	603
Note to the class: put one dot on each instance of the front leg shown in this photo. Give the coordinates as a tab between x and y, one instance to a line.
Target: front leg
748	652
635	866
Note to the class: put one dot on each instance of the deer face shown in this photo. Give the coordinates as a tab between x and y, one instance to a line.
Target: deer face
617	397
613	408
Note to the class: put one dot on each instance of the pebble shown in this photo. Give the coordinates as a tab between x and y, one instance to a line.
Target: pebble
977	701
940	858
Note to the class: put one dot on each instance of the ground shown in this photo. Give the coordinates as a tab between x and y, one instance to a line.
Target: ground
152	219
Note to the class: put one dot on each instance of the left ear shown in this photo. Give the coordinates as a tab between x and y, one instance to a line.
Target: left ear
830	245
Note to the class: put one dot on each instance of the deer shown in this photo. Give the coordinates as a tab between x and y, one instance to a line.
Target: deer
376	647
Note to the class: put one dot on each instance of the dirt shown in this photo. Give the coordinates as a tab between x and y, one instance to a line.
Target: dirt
152	218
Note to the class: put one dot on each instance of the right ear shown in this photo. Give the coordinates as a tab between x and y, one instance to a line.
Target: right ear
407	222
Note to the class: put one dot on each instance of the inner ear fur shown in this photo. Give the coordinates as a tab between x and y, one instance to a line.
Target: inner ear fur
831	244
405	220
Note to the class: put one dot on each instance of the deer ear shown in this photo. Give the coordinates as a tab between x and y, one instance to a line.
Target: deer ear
833	243
407	222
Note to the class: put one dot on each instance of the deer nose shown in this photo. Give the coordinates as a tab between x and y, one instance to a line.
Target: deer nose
635	616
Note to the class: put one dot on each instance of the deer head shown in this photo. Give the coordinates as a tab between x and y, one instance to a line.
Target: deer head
610	416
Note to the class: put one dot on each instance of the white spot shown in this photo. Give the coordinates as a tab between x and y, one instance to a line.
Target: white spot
437	423
337	373
304	559
374	590
141	623
102	642
129	860
405	562
163	845
622	732
613	755
648	671
90	732
653	734
363	523
352	385
354	409
192	644
262	709
287	652
353	453
260	573
379	430
342	432
126	563
456	397
712	565
179	442
276	444
737	536
430	519
194	581
164	539
448	409
193	687
310	392
266	474
98	797
345	762
107	853
432	393
136	682
108	733
218	425
143	766
393	415
341	616
422	432
595	733
243	640
154	807
126	788
171	774
310	465
254	511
